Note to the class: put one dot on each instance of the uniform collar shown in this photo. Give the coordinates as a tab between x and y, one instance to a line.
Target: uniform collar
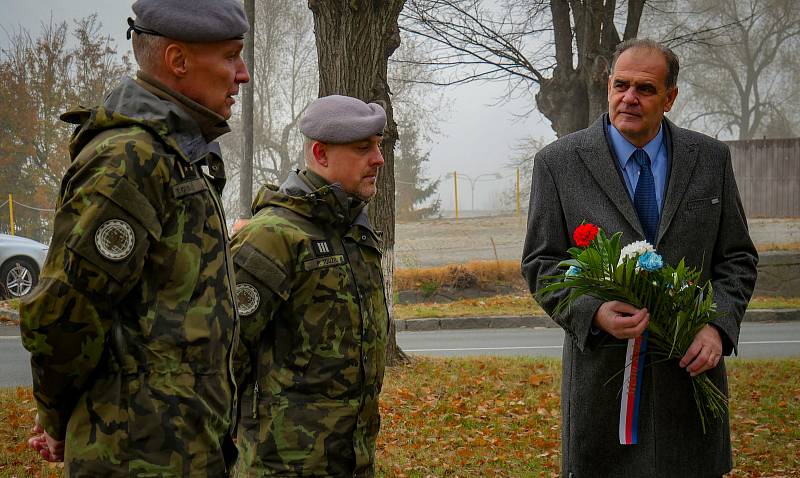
211	124
310	187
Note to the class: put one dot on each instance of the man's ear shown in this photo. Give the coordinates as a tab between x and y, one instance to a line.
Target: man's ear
671	95
320	153
176	58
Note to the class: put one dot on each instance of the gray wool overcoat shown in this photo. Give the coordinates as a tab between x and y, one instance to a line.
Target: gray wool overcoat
576	179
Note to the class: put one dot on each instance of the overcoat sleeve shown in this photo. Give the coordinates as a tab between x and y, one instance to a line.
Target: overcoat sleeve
546	244
734	261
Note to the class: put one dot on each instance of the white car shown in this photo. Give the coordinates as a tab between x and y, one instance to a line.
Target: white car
21	260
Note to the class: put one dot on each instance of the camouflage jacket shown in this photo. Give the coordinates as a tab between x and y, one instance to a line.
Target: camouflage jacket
132	329
314	323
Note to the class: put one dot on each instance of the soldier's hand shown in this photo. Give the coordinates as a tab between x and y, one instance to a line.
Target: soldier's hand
239	224
48	447
621	320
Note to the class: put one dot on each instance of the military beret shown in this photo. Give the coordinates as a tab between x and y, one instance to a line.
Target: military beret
342	119
194	21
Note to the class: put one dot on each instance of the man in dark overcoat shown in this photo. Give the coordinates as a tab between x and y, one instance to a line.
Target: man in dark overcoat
634	171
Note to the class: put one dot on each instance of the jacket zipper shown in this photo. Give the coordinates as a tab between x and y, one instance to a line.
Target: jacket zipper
360	317
255	399
232	283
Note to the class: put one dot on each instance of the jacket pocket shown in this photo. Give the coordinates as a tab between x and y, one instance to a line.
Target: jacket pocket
308	435
702	203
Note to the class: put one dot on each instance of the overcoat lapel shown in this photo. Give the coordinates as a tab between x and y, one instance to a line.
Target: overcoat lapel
683	160
597	157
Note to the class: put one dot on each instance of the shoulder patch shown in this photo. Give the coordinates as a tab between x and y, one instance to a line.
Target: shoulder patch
115	240
136	204
247	299
263	269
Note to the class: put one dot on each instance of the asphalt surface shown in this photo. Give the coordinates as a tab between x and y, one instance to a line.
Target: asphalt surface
757	340
15	366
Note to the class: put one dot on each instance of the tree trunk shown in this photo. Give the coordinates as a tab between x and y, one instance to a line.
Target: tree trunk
577	95
355	39
246	168
563	100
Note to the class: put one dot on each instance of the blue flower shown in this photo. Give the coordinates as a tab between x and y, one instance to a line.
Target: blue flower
650	261
573	271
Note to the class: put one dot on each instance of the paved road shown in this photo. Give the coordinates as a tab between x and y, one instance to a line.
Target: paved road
757	340
15	367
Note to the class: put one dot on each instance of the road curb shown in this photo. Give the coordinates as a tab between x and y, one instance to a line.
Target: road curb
772	315
509	322
10	314
512	322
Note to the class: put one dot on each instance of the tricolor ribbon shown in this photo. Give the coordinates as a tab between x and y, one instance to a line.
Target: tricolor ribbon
632	390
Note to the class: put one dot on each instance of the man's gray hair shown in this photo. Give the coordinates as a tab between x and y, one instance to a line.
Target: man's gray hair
673	65
149	51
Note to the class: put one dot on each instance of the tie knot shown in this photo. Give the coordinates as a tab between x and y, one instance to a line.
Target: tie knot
641	157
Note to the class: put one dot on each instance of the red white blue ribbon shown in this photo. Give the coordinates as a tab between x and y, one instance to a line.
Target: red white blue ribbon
632	391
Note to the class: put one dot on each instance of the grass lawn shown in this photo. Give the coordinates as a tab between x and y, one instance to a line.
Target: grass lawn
484	417
525	305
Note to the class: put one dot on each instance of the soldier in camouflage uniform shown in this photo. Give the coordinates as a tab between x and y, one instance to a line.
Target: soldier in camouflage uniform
311	300
133	327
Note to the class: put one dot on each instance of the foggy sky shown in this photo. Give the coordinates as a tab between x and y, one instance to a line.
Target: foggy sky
476	138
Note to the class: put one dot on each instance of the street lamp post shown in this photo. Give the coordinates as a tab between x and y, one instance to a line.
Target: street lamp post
516	195
472	182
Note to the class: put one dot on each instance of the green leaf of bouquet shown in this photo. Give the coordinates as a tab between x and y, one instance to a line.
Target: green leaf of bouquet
616	248
574	251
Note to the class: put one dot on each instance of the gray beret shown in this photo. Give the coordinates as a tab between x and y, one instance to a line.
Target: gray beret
342	119
194	21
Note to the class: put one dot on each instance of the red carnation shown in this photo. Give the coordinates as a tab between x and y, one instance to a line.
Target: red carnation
585	234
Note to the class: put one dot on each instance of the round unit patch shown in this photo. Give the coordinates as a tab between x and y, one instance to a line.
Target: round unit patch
115	240
247	299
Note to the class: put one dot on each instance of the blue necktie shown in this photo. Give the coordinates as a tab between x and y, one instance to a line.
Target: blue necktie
644	198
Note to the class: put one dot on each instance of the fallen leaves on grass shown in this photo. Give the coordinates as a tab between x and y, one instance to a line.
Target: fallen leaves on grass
470	418
499	417
524	305
17	412
484	272
765	418
774	303
514	305
7	306
778	246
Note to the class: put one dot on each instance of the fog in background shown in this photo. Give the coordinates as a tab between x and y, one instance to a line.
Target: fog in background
739	79
477	135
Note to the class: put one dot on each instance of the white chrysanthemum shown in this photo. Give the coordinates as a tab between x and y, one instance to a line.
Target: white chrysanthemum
635	249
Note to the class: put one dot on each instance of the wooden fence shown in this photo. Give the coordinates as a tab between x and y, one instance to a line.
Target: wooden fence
768	175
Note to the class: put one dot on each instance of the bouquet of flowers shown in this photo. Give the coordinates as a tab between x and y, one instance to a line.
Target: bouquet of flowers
678	304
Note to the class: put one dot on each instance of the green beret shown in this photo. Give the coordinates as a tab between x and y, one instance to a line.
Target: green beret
342	119
194	21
